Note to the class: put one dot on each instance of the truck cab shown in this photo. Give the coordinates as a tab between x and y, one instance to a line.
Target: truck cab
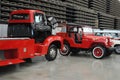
29	23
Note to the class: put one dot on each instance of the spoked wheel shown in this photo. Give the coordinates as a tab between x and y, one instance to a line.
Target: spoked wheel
52	53
66	50
98	52
117	49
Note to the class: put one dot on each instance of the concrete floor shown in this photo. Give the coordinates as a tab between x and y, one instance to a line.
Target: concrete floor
80	67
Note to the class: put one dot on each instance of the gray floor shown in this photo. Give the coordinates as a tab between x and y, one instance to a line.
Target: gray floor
80	67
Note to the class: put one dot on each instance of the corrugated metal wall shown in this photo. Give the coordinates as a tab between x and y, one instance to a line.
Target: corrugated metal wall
83	3
86	16
98	5
114	7
106	21
77	11
117	23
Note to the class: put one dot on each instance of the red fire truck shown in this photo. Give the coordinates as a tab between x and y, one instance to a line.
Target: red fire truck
29	35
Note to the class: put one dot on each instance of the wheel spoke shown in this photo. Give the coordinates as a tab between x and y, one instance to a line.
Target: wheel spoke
66	50
52	53
98	52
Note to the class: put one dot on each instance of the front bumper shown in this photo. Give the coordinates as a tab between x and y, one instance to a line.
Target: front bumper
110	50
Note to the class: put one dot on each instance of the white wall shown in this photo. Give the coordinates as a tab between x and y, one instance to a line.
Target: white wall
3	30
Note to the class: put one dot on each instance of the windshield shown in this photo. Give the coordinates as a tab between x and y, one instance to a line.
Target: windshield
111	35
39	18
20	17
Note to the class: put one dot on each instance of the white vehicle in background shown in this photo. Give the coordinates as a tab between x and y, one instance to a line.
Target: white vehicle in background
113	34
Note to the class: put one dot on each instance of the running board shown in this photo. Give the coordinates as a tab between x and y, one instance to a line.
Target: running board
10	62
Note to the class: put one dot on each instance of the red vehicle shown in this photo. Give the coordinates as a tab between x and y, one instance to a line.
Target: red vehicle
29	35
78	38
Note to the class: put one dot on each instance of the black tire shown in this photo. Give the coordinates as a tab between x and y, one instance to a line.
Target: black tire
66	52
117	49
52	53
98	52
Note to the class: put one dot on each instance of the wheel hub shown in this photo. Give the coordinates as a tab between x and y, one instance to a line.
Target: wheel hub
64	49
53	52
98	52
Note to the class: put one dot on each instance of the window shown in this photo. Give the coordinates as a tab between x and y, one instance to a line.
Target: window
99	34
38	18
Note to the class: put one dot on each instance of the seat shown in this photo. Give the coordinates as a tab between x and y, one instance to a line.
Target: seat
78	38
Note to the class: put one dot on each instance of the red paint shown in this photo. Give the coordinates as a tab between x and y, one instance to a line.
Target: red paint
98	52
87	42
29	12
15	51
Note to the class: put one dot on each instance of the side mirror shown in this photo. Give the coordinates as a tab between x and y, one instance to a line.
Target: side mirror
53	22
